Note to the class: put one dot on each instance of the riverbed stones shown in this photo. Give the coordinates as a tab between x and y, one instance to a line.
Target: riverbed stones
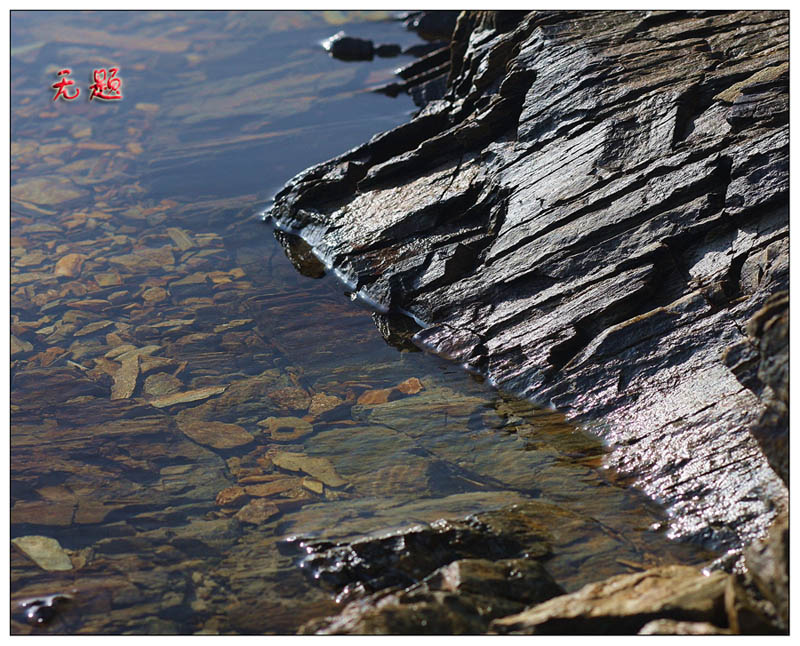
373	397
410	386
318	467
217	435
323	404
159	384
44	551
313	485
18	346
154	295
48	190
187	396
125	378
40	512
272	487
291	398
257	511
70	265
231	497
286	429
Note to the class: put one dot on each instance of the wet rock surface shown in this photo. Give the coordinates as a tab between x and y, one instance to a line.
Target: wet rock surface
590	213
505	572
457	576
768	335
624	604
767	562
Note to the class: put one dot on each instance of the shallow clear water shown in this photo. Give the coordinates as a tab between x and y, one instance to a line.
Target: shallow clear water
182	398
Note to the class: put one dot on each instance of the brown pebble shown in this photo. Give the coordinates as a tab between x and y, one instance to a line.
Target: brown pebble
373	397
286	429
257	511
231	497
410	386
70	265
217	435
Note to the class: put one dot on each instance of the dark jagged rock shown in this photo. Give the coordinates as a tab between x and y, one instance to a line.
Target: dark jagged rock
768	563
590	215
424	79
769	332
460	598
368	565
435	58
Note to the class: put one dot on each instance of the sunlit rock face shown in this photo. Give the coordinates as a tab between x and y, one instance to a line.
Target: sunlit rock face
591	216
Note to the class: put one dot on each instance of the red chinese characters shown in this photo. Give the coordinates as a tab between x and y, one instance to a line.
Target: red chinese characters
106	85
63	84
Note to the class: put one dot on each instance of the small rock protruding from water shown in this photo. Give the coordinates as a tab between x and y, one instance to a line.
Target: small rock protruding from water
43	610
349	48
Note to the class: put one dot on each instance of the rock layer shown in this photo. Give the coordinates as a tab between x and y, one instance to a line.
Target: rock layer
590	216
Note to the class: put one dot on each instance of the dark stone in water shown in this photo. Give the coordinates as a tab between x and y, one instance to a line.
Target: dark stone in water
43	610
349	48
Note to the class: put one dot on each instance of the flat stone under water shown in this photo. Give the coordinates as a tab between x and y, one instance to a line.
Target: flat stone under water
186	406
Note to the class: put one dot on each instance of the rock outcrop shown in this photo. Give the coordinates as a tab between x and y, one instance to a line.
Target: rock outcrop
591	216
508	572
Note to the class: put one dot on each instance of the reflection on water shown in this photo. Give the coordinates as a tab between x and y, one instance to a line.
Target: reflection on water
182	398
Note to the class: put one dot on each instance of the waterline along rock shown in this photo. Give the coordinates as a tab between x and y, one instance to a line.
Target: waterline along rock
591	215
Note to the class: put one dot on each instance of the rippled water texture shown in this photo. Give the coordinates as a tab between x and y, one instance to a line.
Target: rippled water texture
182	397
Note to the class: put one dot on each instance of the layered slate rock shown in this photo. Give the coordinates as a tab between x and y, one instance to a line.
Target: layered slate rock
590	216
